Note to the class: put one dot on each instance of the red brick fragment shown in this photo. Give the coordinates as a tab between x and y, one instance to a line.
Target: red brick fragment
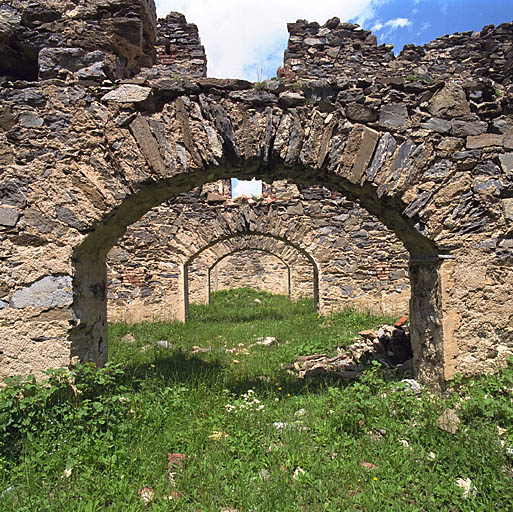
401	321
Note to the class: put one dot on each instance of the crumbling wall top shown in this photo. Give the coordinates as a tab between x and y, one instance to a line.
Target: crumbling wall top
344	50
179	47
93	38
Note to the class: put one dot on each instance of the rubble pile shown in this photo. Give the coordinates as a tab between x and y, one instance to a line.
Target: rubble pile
389	344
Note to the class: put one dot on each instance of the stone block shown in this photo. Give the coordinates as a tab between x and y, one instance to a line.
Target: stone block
359	151
8	217
507	205
148	144
48	292
394	115
436	124
30	120
291	99
128	93
52	61
506	161
484	140
360	113
449	102
466	128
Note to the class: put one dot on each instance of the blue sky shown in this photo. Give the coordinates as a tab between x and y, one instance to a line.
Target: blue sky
429	19
247	38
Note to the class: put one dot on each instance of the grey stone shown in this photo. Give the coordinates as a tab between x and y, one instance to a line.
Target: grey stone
412	385
48	292
291	99
507	243
386	148
30	120
332	23
463	155
274	86
94	71
315	41
350	95
30	96
254	97
487	167
421	200
52	60
8	217
507	205
128	93
503	124
169	89
70	95
346	290
465	128
436	124
360	113
394	115
450	102
438	171
506	161
493	187
318	90
68	217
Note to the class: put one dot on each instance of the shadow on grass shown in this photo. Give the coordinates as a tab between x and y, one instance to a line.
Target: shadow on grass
237	316
180	368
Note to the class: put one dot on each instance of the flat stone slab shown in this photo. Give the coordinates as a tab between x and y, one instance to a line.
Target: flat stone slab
128	93
48	292
8	217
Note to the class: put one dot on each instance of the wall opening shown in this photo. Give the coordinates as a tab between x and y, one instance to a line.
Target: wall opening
90	270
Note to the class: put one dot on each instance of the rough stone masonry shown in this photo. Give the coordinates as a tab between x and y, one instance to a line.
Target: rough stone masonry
332	250
90	140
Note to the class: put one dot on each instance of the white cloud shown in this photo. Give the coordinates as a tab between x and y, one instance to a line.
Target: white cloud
423	28
398	22
244	37
247	188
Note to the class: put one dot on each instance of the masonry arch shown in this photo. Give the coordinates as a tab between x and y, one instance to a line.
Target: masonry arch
208	270
241	251
442	196
216	250
89	301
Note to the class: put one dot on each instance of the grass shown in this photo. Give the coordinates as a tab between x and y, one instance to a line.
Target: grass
255	437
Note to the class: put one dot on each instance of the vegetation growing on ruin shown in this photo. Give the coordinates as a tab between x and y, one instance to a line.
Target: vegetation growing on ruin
213	421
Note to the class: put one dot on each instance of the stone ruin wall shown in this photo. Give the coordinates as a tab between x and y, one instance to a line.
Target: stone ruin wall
361	263
252	269
424	141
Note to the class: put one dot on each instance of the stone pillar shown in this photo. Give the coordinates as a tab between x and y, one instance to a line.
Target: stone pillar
289	290
208	285
426	327
182	311
89	336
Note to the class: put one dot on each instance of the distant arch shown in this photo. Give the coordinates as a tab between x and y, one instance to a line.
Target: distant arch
246	241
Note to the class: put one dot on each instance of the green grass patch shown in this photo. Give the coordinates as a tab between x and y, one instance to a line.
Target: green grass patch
255	437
